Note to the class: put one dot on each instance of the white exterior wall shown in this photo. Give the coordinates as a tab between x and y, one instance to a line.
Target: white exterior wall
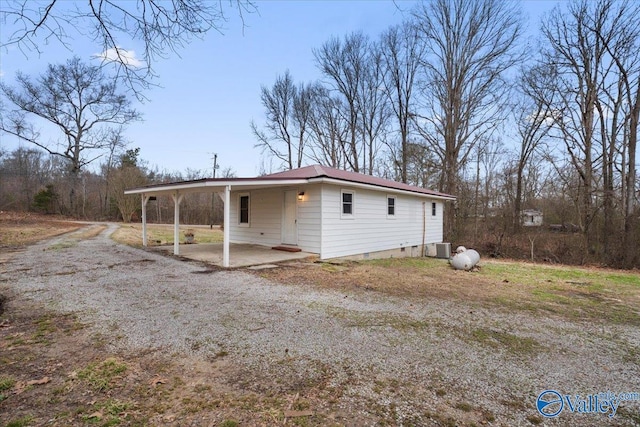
323	230
370	229
265	218
309	219
532	218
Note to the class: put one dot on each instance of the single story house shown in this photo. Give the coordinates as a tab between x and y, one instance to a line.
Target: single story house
322	210
532	218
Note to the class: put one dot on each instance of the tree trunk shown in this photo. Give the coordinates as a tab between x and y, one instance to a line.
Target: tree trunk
450	187
629	241
517	208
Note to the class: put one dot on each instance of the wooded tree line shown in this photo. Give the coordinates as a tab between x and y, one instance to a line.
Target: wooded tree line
89	105
453	99
33	180
456	99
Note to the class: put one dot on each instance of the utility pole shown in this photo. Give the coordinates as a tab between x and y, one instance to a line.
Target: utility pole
213	194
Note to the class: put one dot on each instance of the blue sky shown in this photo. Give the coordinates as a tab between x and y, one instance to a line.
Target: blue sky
211	91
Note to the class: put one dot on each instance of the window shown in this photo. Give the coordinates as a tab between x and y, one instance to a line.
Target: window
243	209
347	203
433	209
391	206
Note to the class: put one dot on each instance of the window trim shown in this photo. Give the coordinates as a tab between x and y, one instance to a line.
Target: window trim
240	223
395	205
434	209
351	215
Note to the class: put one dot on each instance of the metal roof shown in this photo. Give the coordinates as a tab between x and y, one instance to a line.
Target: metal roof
304	175
317	171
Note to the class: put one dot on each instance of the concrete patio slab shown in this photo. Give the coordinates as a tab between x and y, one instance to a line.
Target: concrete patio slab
241	255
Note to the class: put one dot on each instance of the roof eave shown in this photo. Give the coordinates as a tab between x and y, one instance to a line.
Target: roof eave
253	183
335	181
168	188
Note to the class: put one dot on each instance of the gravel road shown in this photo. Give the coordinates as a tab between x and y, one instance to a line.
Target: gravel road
359	341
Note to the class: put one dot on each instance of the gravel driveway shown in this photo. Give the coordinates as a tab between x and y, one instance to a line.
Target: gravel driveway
420	358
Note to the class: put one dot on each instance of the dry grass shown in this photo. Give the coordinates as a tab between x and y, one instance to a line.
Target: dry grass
90	232
19	229
162	234
86	384
572	292
152	389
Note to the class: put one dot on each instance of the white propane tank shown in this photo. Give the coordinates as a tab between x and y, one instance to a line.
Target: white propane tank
460	249
461	262
473	255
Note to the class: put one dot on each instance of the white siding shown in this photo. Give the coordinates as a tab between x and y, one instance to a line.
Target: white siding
309	216
370	230
265	218
434	233
323	230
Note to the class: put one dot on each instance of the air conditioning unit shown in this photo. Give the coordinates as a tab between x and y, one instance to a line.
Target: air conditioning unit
443	250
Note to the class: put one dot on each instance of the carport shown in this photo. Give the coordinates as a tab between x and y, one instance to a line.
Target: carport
240	254
317	209
220	186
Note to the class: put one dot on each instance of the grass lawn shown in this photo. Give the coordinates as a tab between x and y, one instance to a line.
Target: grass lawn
18	228
55	369
567	291
162	234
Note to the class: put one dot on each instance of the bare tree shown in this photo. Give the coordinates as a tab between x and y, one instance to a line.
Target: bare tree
127	175
623	46
594	46
403	51
278	104
287	109
161	26
116	143
533	119
23	172
328	129
344	63
301	115
374	111
469	46
488	153
76	98
422	167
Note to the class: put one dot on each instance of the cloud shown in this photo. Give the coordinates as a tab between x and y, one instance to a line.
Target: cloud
118	54
548	117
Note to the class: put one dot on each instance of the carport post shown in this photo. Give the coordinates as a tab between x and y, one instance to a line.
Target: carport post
227	215
145	199
177	198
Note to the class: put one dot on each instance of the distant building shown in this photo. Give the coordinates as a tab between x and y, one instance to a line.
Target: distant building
532	218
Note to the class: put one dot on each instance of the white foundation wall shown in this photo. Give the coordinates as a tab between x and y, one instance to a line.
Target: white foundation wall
370	229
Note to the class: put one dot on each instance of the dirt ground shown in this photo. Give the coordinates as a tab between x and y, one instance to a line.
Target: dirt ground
56	372
57	368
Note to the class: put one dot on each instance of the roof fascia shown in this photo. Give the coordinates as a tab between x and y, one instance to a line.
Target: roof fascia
334	181
266	183
206	186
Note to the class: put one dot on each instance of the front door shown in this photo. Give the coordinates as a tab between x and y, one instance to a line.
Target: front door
290	218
